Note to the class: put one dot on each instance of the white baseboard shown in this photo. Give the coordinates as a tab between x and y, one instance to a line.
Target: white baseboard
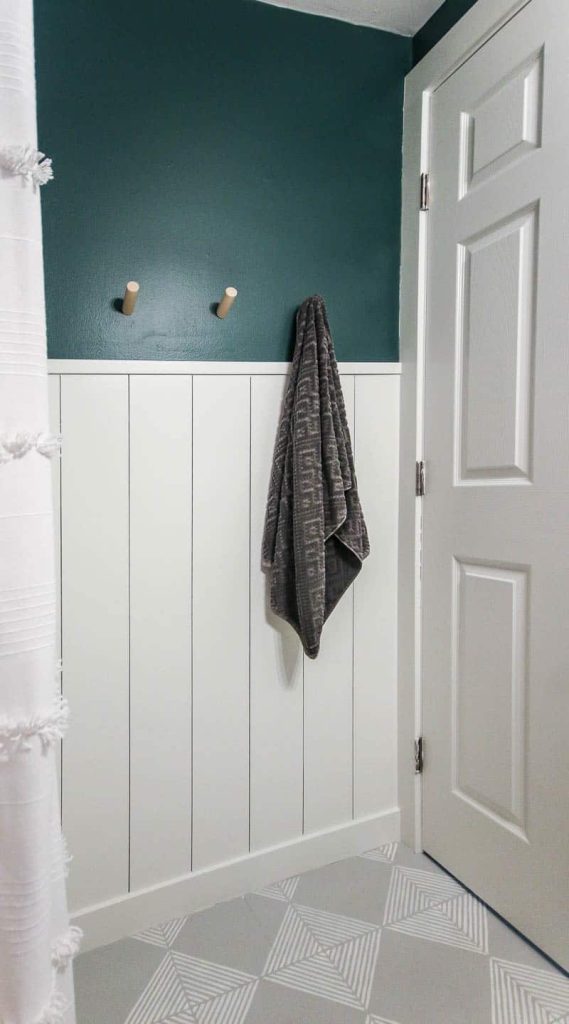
115	919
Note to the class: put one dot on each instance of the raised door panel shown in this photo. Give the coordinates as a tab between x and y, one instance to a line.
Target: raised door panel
503	125
489	690
496	302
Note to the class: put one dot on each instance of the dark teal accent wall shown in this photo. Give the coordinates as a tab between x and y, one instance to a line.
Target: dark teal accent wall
203	143
437	26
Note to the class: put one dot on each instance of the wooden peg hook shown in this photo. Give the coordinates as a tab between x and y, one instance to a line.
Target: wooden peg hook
229	296
130	296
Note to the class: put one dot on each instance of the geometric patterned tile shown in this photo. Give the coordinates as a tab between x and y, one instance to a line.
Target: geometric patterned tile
526	995
412	891
305	932
330	956
383	855
318	977
372	1019
294	942
228	1008
355	887
332	929
109	980
356	960
460	922
203	980
506	944
196	989
384	938
162	935
184	1017
278	1004
237	933
418	982
161	999
282	891
343	974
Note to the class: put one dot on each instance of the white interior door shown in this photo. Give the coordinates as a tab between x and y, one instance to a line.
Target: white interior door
496	513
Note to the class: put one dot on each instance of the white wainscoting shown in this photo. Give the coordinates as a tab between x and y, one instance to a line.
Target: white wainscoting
207	756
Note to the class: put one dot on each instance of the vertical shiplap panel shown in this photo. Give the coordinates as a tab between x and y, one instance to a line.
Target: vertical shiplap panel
328	700
375	597
276	657
54	398
221	546
94	415
160	627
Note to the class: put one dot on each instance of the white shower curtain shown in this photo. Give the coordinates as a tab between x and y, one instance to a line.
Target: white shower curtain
36	944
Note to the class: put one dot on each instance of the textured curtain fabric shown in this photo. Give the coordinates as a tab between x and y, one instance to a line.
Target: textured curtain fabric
36	943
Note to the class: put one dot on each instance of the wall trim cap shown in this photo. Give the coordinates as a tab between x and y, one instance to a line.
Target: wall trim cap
201	368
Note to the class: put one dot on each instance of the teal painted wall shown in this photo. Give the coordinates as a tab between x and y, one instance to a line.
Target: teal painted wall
202	143
437	26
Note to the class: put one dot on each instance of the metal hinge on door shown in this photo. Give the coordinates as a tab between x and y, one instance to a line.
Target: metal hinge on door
419	756
425	192
420	479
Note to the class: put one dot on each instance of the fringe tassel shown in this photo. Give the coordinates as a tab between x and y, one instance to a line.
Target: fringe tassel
66	856
28	162
16	735
55	1010
48	445
61	858
65	947
17	445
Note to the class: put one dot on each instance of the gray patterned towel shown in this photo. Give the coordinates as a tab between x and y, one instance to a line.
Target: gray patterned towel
315	536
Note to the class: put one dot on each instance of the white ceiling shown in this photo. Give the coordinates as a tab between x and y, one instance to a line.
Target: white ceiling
403	16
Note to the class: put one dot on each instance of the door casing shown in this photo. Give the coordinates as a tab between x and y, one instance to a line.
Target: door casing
477	26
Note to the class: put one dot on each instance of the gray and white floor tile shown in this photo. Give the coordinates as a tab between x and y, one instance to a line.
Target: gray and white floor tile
384	938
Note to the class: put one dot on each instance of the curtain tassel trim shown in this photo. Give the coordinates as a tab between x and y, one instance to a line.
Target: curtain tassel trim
30	163
15	446
65	947
55	1010
66	856
16	735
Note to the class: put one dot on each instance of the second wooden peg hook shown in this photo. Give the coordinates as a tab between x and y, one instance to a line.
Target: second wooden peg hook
228	298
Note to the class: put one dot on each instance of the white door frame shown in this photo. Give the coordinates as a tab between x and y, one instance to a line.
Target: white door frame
468	35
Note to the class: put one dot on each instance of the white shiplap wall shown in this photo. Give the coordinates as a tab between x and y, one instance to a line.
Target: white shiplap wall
206	754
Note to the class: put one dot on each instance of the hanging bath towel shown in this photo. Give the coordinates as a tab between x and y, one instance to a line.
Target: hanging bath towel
315	537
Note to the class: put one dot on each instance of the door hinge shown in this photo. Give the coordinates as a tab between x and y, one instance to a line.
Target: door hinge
419	755
425	192
420	479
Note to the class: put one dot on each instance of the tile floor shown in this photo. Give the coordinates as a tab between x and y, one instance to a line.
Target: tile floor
385	938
